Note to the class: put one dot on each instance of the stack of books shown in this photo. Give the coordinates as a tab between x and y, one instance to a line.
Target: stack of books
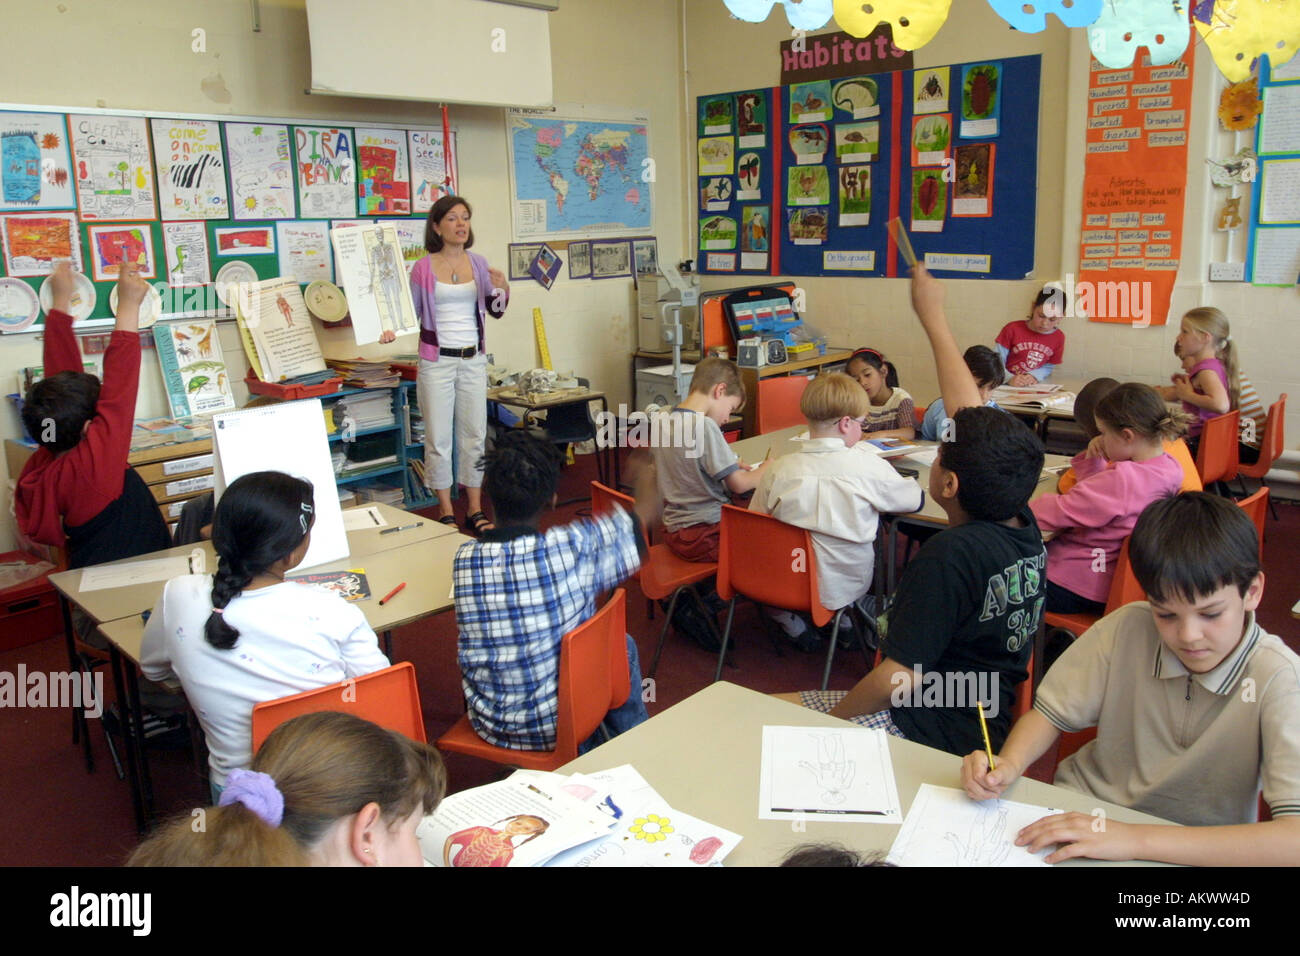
365	411
384	494
360	373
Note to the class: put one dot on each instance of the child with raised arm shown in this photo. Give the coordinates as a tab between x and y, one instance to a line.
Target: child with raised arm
1194	703
969	603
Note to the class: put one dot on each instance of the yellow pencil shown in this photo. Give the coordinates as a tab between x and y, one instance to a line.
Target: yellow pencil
988	747
768	455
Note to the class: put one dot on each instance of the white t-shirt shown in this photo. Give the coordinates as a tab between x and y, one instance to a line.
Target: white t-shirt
292	637
454	314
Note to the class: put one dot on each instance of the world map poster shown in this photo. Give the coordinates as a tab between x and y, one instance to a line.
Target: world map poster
575	177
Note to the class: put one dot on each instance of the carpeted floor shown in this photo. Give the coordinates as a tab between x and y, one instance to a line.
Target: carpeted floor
55	813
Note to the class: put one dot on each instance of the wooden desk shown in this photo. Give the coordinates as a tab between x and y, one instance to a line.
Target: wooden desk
749	378
703	755
607	462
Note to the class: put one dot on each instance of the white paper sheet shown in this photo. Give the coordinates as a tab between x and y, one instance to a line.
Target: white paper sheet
827	773
1280	125
359	519
1277	256
106	576
1279	198
944	827
923	457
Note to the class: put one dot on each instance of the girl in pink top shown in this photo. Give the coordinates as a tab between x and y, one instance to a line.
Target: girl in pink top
1210	382
1122	470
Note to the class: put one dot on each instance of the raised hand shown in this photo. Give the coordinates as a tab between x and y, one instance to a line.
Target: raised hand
62	285
131	290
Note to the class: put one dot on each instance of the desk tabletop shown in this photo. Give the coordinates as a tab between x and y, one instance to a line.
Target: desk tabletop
109	604
703	755
509	395
425	566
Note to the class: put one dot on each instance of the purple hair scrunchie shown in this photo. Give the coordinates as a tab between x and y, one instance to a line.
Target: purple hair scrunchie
257	792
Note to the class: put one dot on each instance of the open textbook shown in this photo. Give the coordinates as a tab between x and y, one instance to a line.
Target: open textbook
610	818
1034	396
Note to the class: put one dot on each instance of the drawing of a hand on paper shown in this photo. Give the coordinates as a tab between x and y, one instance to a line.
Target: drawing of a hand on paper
987	841
833	773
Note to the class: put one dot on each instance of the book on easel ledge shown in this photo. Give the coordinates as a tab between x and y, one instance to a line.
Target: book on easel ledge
193	367
276	330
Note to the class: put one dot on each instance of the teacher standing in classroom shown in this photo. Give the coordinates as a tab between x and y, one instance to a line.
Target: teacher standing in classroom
454	290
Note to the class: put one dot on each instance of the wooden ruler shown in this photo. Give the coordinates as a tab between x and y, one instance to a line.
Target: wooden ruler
539	331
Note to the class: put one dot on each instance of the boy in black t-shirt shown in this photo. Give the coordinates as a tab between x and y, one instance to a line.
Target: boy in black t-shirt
966	610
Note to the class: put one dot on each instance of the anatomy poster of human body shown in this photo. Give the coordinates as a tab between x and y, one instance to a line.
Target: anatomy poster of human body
372	273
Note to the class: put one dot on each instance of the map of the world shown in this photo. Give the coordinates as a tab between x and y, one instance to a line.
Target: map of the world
577	178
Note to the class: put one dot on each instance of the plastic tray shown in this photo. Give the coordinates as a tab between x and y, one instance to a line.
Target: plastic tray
291	392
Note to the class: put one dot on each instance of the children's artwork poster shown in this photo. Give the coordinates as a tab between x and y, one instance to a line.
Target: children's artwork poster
326	166
718	232
410	233
261	171
715	193
810	102
855	196
929	200
113	167
716	154
751	120
374	277
809	143
931	139
749	173
383	173
185	248
545	266
33	244
755	236
972	190
304	250
808	186
191	169
715	115
580	260
930	90
981	100
859	96
808	225
110	246
245	241
857	142
1134	186
433	168
35	167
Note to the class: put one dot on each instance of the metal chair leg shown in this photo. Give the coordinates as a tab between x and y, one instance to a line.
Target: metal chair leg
830	653
726	638
663	632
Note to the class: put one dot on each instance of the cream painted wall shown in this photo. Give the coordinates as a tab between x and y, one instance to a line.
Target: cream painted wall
136	55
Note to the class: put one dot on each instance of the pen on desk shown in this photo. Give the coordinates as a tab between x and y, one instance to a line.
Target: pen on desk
374	516
405	527
988	747
391	594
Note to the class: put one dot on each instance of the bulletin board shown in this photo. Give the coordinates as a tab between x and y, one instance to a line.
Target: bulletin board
188	194
1273	252
827	214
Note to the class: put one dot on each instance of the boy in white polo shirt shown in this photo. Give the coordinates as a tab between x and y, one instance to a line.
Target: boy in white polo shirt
1193	702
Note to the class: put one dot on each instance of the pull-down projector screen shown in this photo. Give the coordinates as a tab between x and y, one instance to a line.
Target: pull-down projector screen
440	51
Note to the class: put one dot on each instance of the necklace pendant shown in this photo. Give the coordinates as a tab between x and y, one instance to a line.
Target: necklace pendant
454	276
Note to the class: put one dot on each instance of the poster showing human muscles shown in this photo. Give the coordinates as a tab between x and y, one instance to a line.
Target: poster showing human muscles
191	169
113	167
34	162
383	173
261	171
327	172
430	173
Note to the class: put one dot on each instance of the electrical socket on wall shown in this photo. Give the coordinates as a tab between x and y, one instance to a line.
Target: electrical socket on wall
1227	272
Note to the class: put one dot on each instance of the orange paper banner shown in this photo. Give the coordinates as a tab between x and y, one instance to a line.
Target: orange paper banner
1134	183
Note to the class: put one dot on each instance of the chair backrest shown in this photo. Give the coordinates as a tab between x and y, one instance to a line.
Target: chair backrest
1025	693
605	500
1217	455
1257	507
584	686
777	403
389	697
768	561
918	413
1071	742
1124	587
1270	446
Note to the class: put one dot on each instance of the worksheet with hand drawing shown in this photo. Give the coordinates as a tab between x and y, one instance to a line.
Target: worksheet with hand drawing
944	827
827	773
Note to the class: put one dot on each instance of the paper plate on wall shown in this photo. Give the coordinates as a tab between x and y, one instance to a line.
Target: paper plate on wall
150	309
326	301
84	297
19	306
233	273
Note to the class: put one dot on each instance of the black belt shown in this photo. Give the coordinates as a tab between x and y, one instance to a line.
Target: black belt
458	353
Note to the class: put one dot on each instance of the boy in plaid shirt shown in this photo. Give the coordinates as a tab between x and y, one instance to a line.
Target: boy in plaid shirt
519	590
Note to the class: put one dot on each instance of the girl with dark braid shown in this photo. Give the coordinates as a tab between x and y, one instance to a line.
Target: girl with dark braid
246	635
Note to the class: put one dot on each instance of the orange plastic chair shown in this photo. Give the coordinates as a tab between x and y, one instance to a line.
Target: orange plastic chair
754	561
1217	455
584	694
1024	693
389	697
1256	506
1270	448
918	413
1124	589
777	404
663	574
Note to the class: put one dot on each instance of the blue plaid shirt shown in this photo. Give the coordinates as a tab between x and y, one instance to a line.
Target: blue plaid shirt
515	601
